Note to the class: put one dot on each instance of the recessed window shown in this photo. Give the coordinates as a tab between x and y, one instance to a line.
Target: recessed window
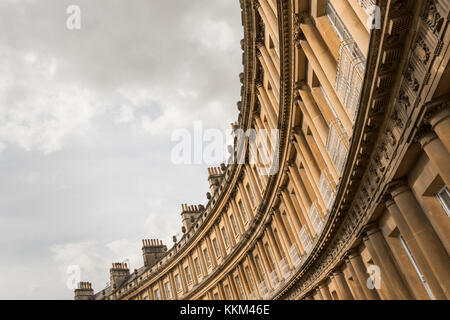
241	289
197	266
444	198
228	292
216	247
168	291
207	257
187	271
225	237
244	213
250	194
260	267
249	276
178	282
157	294
416	267
235	227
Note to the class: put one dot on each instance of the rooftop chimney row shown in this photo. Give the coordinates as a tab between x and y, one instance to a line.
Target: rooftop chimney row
84	285
215	171
119	266
148	243
192	208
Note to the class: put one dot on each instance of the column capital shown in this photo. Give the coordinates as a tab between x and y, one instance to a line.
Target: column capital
425	135
302	18
301	85
352	254
259	84
437	111
259	44
336	272
368	230
282	189
397	187
290	163
388	201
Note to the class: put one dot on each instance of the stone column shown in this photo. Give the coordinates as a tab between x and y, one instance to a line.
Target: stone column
182	277
219	238
319	294
229	229
309	162
264	102
202	261
270	252
272	19
325	291
437	152
428	241
173	285
271	237
439	118
275	83
237	216
270	64
328	63
252	264
162	290
211	251
284	237
258	277
273	30
323	156
246	201
361	13
301	211
342	286
245	284
328	86
311	169
353	24
298	183
251	178
260	181
361	275
265	262
263	155
358	292
416	252
393	277
193	270
314	112
221	291
386	292
296	225
271	108
275	250
233	287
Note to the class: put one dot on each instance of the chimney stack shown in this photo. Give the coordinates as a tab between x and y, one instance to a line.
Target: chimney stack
84	291
152	251
189	215
215	176
118	273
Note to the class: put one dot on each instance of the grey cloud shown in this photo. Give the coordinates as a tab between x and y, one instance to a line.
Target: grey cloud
85	124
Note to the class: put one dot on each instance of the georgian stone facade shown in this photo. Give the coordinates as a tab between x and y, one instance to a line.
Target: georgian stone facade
362	189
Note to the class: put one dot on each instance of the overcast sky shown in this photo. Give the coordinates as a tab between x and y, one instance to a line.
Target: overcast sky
86	118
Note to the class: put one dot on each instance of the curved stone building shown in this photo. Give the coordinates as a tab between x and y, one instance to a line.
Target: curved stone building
360	205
